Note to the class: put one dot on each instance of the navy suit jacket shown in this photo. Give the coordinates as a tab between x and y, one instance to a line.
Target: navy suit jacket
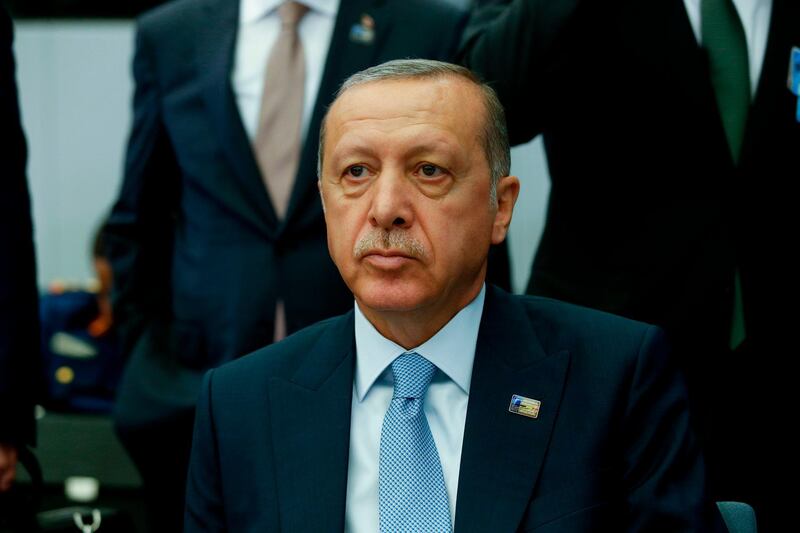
648	215
611	449
19	317
198	254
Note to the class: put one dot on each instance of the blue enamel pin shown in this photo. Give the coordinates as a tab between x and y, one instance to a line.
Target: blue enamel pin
363	32
524	406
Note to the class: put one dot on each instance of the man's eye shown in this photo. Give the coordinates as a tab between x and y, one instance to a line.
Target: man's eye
430	170
356	171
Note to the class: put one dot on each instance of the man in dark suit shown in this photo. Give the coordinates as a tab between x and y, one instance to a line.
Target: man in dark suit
201	253
19	318
669	129
499	413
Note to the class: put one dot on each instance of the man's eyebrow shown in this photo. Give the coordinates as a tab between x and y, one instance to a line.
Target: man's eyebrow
438	146
432	143
348	148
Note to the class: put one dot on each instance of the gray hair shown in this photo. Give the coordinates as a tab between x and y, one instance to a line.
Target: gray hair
494	135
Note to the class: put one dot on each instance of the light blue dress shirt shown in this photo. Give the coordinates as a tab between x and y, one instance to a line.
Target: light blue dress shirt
452	350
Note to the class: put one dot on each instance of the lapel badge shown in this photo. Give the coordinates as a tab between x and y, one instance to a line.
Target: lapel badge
524	406
794	77
363	32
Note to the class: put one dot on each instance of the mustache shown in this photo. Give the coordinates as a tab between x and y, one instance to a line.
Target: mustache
395	240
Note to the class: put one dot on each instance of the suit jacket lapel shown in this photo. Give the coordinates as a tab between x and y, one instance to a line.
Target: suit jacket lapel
311	432
660	30
503	452
344	58
245	191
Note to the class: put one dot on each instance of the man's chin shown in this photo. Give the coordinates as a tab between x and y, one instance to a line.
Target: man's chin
389	298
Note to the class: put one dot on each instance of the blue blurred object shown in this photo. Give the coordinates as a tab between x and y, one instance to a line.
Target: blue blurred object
81	370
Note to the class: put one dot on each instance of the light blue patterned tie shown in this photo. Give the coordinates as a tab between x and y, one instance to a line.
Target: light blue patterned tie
412	495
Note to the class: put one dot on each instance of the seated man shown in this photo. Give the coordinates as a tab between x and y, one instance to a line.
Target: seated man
439	403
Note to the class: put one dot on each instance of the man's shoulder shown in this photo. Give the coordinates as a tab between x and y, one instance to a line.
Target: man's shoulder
284	358
562	325
606	353
561	312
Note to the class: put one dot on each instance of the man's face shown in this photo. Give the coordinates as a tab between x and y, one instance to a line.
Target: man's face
405	184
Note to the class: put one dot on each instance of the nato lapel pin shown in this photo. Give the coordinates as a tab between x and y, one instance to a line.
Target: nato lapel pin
794	77
524	406
363	32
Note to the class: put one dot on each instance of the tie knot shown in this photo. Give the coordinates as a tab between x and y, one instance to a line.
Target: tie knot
412	375
291	13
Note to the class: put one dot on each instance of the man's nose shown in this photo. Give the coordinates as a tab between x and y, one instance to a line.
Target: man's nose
392	201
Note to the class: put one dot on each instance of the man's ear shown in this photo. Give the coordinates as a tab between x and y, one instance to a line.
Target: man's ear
321	197
507	193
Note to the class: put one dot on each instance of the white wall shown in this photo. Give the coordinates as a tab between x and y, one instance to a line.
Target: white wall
75	93
528	162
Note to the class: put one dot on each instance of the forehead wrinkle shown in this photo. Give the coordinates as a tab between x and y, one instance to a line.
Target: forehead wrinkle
387	123
428	103
438	107
430	141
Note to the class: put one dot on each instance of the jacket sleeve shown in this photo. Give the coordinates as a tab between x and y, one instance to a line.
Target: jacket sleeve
204	506
141	223
19	319
516	46
664	475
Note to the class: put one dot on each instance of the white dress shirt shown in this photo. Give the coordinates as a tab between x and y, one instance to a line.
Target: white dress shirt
452	350
755	16
259	26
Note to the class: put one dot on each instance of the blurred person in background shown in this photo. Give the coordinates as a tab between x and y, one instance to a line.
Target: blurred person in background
217	238
80	346
672	138
19	320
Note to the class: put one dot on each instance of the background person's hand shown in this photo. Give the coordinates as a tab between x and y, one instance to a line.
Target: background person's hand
8	465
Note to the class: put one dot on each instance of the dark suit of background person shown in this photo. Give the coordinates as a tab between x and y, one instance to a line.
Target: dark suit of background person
198	253
19	319
648	215
611	447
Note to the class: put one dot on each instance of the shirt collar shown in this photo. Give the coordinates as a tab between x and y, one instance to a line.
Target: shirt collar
252	10
452	349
